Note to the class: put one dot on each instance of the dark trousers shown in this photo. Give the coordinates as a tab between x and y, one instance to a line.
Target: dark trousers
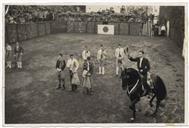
71	76
61	81
74	87
163	33
61	84
144	81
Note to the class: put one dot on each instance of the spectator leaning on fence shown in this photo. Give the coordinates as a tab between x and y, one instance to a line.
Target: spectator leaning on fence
18	53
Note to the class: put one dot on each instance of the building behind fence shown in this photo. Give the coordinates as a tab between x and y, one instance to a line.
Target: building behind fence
175	15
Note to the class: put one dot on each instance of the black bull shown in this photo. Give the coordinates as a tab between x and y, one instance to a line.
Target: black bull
131	81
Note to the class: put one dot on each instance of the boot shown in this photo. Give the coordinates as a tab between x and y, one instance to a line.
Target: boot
63	87
75	88
88	93
72	87
59	86
91	91
145	89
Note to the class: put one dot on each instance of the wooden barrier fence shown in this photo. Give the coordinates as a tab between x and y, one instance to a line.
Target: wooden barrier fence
20	32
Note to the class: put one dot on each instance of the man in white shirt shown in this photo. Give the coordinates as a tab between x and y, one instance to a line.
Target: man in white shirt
119	54
86	53
73	66
163	30
101	55
9	55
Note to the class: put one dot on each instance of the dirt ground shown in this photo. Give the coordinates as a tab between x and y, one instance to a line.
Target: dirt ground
31	95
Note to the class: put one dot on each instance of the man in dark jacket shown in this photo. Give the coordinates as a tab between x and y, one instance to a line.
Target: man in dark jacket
87	73
60	66
143	66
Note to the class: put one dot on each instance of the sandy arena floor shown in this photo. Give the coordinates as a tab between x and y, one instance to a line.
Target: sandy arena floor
31	95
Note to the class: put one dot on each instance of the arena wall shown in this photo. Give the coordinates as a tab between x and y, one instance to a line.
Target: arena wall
21	32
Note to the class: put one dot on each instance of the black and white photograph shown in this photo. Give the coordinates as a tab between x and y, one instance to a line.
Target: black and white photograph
97	63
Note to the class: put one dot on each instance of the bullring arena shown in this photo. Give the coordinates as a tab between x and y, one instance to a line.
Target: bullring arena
31	95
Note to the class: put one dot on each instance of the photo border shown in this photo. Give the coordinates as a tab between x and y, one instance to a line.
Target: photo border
96	124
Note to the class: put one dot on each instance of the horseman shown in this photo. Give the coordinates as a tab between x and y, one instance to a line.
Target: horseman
143	66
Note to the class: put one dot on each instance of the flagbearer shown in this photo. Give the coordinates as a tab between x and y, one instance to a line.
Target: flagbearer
101	55
119	54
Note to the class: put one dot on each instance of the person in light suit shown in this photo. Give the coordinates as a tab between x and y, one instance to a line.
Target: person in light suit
101	56
8	56
73	66
119	54
86	53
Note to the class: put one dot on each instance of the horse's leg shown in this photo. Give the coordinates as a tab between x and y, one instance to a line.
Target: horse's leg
134	111
151	105
157	106
133	108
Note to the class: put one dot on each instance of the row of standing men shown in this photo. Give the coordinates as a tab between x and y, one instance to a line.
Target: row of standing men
88	67
143	65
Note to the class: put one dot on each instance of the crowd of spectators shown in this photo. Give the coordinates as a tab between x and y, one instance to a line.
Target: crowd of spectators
108	15
25	14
